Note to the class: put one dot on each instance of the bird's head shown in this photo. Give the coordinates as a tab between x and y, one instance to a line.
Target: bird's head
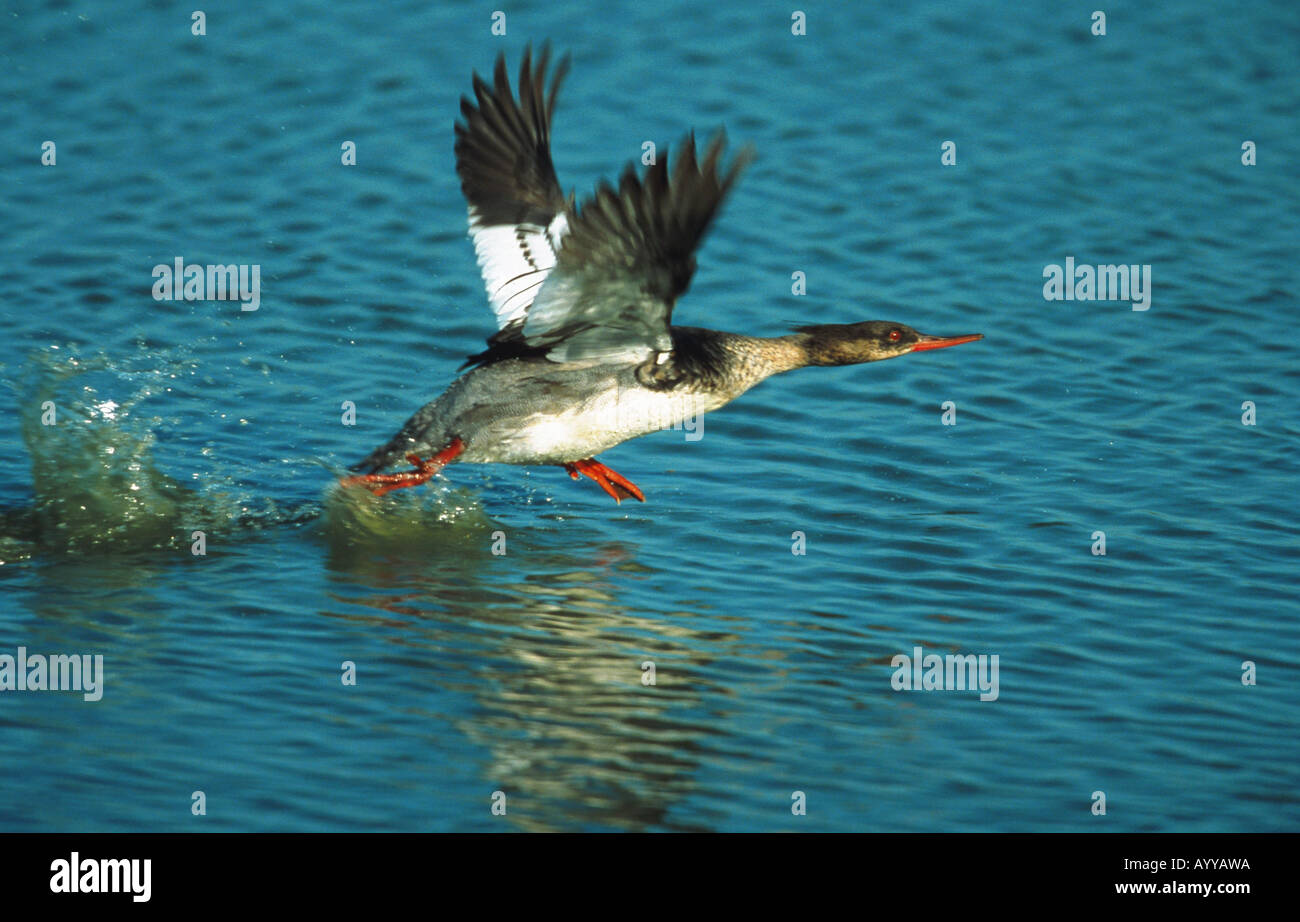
869	341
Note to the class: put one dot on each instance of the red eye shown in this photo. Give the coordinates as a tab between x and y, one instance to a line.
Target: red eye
895	335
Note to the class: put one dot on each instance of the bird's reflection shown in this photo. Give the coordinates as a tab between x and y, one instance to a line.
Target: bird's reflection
553	660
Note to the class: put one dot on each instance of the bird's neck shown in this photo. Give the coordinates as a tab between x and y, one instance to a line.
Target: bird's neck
733	363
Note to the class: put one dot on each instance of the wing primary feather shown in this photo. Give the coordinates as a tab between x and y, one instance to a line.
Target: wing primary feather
596	282
504	162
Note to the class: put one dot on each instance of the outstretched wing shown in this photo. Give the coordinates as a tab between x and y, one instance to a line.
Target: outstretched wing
595	284
627	256
517	212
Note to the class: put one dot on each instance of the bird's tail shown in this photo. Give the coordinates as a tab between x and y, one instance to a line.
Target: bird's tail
420	434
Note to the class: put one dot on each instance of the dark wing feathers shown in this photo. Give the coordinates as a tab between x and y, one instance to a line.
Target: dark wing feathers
596	283
650	228
516	207
503	147
629	253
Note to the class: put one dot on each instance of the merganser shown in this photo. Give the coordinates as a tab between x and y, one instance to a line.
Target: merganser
584	356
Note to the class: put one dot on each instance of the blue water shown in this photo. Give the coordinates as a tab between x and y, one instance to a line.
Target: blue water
521	673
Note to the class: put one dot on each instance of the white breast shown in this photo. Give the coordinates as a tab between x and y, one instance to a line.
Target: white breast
599	424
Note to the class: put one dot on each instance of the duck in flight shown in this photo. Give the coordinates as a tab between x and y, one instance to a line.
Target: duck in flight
585	355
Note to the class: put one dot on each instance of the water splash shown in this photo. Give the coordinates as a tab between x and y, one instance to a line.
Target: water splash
89	426
92	426
433	519
93	475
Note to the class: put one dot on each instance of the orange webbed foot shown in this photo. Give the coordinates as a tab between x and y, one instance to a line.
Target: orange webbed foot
379	484
611	481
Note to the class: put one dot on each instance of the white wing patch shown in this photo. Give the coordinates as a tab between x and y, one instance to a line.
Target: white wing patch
515	260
